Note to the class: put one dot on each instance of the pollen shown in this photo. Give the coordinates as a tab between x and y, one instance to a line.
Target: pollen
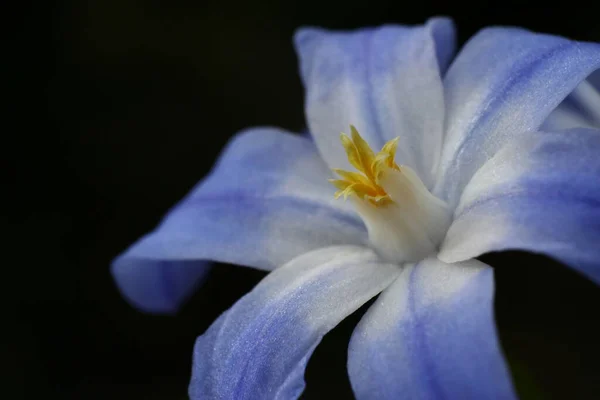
365	183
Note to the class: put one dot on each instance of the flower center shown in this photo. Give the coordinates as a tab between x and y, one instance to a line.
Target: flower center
406	223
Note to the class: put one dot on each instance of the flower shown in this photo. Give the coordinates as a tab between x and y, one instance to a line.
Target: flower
497	150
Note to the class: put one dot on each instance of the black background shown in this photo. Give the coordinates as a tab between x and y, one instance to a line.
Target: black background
118	107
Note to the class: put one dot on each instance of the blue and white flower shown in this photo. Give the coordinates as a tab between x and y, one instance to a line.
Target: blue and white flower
498	149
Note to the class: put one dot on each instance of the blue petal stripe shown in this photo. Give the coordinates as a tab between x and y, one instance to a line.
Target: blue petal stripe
431	335
266	202
386	81
504	82
541	194
251	231
260	347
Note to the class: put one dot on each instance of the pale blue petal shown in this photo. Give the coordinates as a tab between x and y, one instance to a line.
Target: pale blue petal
541	194
565	117
386	81
431	335
581	109
505	81
267	201
259	348
158	286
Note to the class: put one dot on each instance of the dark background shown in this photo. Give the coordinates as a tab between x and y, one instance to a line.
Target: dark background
118	107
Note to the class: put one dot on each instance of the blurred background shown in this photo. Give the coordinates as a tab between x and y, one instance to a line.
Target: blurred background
118	107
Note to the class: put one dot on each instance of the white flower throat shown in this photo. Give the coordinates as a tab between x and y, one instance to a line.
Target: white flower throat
406	223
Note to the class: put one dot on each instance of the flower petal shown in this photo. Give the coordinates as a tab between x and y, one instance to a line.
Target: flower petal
505	81
266	202
386	81
564	117
158	286
259	348
541	194
431	335
580	109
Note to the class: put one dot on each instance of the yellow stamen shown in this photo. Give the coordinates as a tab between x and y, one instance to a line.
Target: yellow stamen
364	183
